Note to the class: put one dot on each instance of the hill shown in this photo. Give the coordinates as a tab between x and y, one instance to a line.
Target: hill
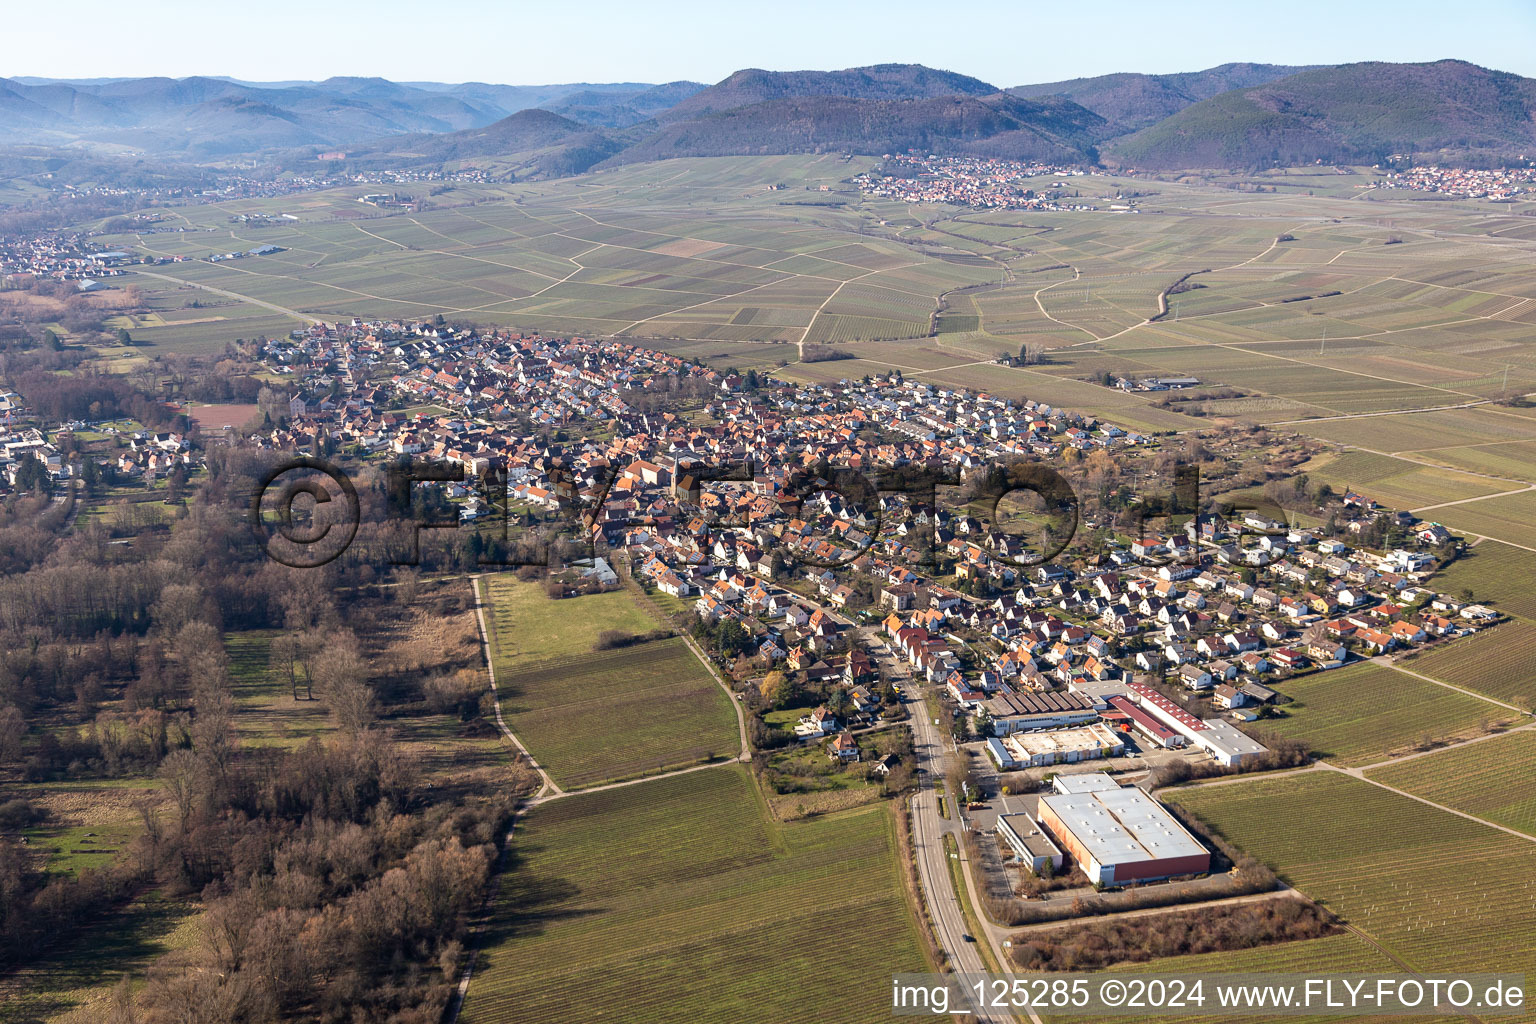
878	82
540	142
994	125
203	118
619	109
1354	113
1130	101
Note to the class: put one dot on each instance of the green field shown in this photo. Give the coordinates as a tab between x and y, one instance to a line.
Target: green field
600	716
1494	573
678	900
529	628
618	714
1500	662
1396	482
1436	892
1509	518
267	714
1491	779
1366	713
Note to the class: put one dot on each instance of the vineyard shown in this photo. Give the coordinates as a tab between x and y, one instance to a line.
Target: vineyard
1491	779
1438	892
1495	573
1366	713
621	713
593	716
677	900
1500	662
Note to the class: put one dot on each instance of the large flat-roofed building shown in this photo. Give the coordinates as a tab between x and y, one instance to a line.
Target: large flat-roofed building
1087	782
1063	746
1225	742
1122	835
1030	845
1020	712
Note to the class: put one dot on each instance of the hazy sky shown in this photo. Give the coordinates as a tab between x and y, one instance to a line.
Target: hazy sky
1005	42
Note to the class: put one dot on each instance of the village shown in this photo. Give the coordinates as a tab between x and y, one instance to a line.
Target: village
842	610
1172	640
977	182
1500	184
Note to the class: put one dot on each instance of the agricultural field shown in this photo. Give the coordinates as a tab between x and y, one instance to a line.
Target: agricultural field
593	716
1490	779
1500	662
529	628
725	917
1391	339
690	261
1367	712
1397	483
1494	573
618	714
1436	892
1510	518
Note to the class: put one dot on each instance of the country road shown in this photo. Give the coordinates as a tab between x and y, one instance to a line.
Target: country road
928	830
230	295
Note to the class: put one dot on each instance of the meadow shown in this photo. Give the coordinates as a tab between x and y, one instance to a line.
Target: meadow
529	628
1368	712
1490	779
678	899
594	716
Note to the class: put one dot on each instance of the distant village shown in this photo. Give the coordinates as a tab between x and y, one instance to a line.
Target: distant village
1500	184
979	182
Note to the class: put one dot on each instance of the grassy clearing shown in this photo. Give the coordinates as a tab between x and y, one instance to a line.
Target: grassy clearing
726	916
1366	713
267	713
1500	662
76	987
528	627
1489	779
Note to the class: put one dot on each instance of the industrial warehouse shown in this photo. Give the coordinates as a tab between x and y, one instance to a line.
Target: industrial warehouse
1059	746
1118	835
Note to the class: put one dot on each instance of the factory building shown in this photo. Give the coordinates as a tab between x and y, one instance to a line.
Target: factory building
1058	746
1119	835
1222	740
1150	728
1030	845
1019	712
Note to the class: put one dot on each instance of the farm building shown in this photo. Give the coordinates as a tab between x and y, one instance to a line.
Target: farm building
1119	835
1063	746
1225	742
1030	845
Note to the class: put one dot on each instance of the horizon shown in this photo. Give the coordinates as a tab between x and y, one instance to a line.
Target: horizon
618	44
289	83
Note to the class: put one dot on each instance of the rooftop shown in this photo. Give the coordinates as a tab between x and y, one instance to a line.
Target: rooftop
1122	826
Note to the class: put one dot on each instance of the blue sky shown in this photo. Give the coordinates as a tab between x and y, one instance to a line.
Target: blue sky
1006	43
